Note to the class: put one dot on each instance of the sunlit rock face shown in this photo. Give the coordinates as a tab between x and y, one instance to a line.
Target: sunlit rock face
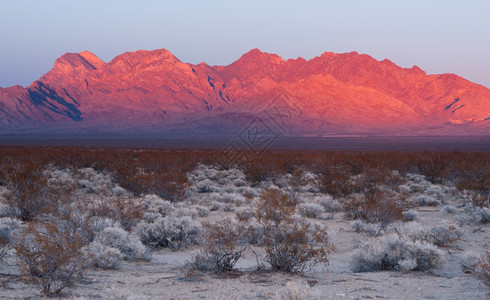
331	93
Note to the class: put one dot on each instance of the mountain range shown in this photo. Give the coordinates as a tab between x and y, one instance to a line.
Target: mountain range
332	94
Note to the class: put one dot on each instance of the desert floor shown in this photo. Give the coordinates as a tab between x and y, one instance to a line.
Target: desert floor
220	193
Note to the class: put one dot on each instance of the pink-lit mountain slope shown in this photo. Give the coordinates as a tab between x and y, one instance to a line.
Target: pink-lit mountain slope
330	94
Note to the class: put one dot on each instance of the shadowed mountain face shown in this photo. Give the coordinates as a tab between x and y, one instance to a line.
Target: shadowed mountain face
153	91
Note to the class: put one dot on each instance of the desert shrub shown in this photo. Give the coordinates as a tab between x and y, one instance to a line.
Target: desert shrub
229	208
244	214
468	261
90	226
168	181
407	265
274	205
92	181
435	191
152	233
128	212
201	262
474	175
410	215
413	231
6	210
477	214
482	268
180	231
249	193
381	206
129	244
449	209
357	226
330	205
471	262
310	210
291	243
372	178
370	229
102	256
335	182
202	211
7	226
386	253
216	206
98	224
424	200
440	235
254	233
172	231
480	200
203	188
50	256
403	188
29	193
433	165
221	241
260	169
290	247
444	235
155	204
301	181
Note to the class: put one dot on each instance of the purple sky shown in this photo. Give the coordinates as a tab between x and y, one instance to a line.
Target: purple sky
440	36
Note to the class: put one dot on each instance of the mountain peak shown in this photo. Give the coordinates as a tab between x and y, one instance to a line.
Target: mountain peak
74	60
147	55
258	55
73	63
92	59
417	69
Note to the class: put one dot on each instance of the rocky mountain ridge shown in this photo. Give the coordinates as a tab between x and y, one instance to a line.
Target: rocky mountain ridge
152	91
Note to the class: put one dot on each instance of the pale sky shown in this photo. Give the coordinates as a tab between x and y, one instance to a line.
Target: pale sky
440	36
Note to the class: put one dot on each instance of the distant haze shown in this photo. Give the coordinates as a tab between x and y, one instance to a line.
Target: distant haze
440	36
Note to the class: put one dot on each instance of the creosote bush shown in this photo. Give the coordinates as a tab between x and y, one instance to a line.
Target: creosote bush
128	212
274	205
335	182
380	206
51	256
482	268
476	264
29	194
258	170
292	244
164	171
222	241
